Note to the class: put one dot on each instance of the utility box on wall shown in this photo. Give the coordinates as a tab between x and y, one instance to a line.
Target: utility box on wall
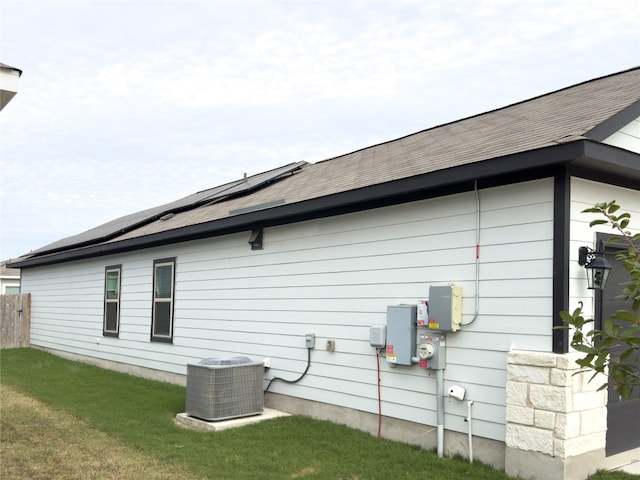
445	308
431	350
401	334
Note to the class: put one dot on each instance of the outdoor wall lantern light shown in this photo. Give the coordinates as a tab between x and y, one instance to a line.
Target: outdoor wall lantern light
596	265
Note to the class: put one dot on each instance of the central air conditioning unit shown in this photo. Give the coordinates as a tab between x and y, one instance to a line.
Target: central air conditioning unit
223	388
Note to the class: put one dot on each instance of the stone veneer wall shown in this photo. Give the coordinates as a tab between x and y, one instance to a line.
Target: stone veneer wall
556	420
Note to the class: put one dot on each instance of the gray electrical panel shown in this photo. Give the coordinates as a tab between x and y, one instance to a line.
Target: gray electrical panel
445	308
401	334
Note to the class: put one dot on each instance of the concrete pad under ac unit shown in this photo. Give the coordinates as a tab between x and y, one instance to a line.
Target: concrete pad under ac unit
215	426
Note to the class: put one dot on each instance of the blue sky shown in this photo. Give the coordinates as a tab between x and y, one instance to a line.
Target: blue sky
124	105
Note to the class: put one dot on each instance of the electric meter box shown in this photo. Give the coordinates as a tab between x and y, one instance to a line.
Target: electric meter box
445	308
401	334
436	358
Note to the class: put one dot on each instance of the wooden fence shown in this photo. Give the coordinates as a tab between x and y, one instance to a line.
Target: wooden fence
15	320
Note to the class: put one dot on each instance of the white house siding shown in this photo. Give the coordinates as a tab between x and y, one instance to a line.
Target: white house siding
585	194
627	137
333	277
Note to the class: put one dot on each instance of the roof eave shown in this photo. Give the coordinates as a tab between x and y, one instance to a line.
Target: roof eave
583	157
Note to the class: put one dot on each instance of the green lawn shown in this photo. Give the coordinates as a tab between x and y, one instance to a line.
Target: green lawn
138	415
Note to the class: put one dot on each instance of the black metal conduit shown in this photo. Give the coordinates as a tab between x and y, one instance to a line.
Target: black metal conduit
297	379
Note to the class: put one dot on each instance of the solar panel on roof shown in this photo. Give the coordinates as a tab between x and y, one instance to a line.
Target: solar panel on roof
137	219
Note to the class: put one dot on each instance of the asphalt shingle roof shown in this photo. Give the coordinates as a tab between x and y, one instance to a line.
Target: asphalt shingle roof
559	117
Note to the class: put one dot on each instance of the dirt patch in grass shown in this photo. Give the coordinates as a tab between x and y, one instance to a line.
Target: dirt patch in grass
38	443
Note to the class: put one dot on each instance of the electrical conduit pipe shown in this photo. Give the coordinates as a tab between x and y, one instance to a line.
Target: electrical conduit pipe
440	373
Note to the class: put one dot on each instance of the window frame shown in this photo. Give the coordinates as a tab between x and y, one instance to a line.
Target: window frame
163	262
105	331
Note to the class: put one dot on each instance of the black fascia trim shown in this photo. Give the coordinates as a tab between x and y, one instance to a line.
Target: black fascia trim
613	161
537	163
616	122
605	177
614	156
596	175
384	194
608	164
561	217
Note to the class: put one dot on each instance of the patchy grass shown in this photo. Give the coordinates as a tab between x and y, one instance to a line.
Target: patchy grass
617	475
42	443
125	424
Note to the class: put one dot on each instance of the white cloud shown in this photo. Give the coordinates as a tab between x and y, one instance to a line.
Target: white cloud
155	100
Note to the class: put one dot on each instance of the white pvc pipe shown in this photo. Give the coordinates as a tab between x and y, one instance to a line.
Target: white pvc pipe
469	403
440	410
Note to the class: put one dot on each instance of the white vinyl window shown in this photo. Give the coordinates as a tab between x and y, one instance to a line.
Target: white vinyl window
163	291
111	323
